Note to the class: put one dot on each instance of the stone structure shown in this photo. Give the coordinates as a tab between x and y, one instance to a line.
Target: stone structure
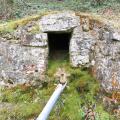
80	42
93	44
107	58
23	62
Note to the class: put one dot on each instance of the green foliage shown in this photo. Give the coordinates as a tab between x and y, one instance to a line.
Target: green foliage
82	90
28	102
35	29
12	25
21	8
23	102
21	111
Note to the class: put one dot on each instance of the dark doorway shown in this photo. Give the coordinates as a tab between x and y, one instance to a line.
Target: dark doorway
59	45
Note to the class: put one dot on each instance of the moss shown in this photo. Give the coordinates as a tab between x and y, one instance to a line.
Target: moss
35	29
100	20
12	25
21	111
81	91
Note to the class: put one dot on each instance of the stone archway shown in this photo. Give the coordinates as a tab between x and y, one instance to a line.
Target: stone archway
68	22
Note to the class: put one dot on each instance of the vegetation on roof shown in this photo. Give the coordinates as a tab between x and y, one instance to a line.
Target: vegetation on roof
14	24
19	12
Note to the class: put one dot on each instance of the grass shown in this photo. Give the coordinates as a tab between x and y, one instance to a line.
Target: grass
81	92
21	111
28	102
14	24
33	6
40	7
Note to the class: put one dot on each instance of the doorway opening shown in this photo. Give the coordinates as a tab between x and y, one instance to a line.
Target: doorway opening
59	45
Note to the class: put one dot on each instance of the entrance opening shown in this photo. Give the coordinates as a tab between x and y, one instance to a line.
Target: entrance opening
59	45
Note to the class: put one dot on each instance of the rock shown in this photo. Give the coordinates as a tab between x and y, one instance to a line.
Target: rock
8	36
107	59
116	36
37	40
21	64
80	46
85	28
59	22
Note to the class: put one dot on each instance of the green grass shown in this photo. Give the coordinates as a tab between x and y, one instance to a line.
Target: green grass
12	25
81	92
42	7
20	9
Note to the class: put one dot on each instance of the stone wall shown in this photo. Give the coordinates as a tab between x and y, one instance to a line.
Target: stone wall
23	62
81	40
93	44
107	58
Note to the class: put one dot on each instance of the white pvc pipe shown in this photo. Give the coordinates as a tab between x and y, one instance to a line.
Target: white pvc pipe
50	104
